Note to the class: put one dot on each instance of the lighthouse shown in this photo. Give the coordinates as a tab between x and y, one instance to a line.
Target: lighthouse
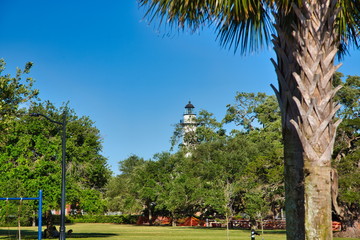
189	125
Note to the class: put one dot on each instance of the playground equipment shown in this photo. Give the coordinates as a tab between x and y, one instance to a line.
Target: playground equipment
39	198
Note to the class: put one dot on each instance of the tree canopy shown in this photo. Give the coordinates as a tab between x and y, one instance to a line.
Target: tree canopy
235	174
306	36
30	150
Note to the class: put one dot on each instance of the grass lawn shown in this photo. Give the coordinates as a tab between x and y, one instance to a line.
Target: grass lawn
97	231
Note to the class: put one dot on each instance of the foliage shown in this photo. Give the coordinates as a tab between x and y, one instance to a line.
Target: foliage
347	148
208	129
219	174
247	25
30	150
178	188
14	91
118	196
119	219
304	67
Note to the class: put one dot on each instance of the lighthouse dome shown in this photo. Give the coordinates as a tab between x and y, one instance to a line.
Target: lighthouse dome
189	105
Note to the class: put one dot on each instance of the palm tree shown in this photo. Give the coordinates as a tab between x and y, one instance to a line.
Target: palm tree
306	35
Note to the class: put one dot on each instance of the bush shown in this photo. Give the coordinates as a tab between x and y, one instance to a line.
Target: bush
119	219
12	221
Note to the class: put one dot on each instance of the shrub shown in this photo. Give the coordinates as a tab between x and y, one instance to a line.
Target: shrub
119	219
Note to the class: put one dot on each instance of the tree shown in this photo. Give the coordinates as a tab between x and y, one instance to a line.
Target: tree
207	129
14	91
259	116
122	193
220	174
309	34
29	156
179	188
118	196
144	187
243	112
221	167
346	156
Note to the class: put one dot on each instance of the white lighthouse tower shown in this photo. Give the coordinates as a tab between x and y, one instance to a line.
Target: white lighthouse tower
189	126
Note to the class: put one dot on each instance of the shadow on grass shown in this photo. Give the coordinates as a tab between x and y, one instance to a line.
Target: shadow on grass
13	234
28	234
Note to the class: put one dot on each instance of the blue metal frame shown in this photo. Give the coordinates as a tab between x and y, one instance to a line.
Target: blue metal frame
40	198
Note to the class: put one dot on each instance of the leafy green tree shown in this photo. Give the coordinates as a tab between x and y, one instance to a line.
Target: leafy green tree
121	193
15	91
32	157
91	201
164	185
86	167
207	129
180	191
228	166
128	165
220	165
243	111
256	206
349	187
308	34
348	96
259	116
145	187
119	196
346	156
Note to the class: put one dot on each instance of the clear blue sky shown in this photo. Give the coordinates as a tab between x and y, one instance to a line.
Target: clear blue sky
131	78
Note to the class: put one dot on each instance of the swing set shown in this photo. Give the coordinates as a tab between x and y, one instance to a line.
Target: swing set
39	198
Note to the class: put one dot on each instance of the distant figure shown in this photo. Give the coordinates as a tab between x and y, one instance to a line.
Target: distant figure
46	233
253	233
54	232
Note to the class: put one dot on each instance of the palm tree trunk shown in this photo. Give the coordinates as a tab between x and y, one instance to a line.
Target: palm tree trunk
294	187
305	95
293	150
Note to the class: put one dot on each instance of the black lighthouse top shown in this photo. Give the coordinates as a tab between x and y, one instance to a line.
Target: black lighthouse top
189	108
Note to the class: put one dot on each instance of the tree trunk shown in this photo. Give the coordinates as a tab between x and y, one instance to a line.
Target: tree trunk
293	151
49	219
294	187
150	215
227	226
33	219
305	50
173	221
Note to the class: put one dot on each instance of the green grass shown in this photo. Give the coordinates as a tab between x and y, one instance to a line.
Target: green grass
97	231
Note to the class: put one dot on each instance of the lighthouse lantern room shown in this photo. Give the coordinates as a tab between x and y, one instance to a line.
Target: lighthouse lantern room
189	125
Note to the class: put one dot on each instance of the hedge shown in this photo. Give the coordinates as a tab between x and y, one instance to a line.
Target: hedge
120	219
12	221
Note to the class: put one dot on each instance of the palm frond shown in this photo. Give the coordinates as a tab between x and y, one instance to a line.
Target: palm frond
244	24
182	14
348	25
